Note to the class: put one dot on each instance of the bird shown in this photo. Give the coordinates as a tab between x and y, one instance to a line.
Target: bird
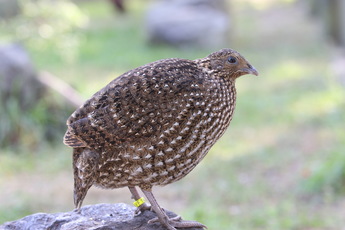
152	125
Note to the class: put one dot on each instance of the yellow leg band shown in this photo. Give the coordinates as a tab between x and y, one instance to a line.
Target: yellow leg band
139	202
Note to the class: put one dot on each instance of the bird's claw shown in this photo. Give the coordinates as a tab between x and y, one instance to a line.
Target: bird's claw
177	222
142	208
176	218
77	210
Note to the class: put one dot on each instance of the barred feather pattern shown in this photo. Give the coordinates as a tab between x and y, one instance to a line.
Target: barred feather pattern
152	125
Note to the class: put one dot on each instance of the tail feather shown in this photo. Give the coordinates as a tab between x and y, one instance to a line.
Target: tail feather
72	141
85	163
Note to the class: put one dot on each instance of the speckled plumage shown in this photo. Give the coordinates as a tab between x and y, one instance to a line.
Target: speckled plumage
152	125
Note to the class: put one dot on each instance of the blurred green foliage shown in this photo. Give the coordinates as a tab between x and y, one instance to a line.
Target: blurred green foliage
328	174
280	165
41	28
45	25
32	128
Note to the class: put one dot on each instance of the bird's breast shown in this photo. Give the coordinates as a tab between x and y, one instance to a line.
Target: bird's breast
185	136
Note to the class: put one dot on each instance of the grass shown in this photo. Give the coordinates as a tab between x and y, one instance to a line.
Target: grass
279	166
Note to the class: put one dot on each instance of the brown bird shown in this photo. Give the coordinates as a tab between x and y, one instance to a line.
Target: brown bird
152	125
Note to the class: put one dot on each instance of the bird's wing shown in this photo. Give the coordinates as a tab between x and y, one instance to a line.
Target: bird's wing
140	104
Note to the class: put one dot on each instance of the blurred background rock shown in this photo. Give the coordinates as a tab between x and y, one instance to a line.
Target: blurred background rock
189	23
281	165
9	9
19	92
331	14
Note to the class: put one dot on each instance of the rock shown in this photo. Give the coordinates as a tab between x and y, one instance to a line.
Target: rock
20	93
185	23
18	76
9	8
95	217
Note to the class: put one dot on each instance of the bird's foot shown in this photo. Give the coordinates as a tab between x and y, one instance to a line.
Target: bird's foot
77	210
154	220
169	223
142	208
177	222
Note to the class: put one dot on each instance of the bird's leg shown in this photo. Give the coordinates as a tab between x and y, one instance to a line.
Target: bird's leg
169	223
136	196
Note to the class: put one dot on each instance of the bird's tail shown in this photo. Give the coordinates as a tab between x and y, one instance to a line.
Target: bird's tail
85	162
72	140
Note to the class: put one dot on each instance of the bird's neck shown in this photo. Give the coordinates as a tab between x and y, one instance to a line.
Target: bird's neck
203	62
205	65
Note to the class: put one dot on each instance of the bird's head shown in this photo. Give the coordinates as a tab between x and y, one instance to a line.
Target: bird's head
229	63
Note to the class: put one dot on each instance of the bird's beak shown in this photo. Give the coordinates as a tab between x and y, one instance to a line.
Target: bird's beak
251	70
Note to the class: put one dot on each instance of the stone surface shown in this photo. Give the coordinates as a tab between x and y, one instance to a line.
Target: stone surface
185	23
95	217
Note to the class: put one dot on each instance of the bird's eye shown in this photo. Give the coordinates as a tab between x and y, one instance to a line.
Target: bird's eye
232	60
